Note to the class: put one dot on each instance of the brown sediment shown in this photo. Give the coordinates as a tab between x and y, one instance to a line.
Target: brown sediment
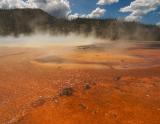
124	90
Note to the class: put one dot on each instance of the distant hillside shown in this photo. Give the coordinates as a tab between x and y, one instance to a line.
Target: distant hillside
19	21
26	21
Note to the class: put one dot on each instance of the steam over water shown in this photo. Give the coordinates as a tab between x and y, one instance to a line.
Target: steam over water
80	50
44	40
72	40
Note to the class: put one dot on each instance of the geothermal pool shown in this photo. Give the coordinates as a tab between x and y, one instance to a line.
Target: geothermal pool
111	84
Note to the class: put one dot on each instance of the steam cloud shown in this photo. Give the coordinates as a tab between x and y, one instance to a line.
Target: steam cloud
45	40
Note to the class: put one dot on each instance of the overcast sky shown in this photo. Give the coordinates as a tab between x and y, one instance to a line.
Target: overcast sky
146	11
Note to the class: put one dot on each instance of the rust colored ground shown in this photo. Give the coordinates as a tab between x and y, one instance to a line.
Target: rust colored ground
124	88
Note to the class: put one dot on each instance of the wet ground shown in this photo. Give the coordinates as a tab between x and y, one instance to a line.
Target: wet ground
39	86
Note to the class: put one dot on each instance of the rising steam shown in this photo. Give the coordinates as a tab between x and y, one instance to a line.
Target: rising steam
47	40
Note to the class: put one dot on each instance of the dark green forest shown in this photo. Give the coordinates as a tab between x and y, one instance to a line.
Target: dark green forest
27	21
